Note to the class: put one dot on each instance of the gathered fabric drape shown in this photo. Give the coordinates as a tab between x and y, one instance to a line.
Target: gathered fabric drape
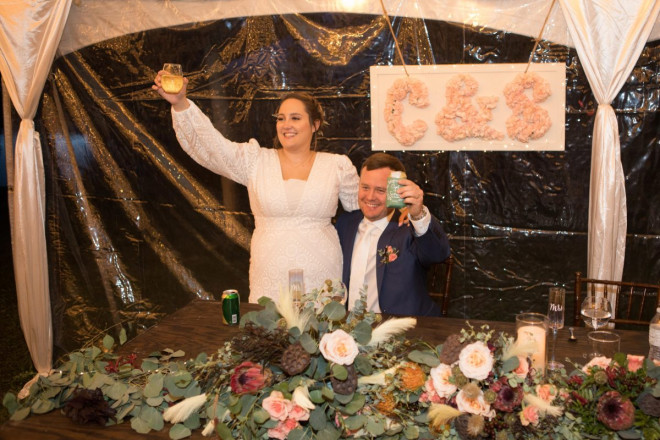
29	35
609	36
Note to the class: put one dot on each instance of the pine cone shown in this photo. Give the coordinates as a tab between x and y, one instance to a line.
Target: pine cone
347	386
295	359
451	349
649	405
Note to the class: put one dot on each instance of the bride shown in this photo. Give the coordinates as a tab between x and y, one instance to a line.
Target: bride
293	189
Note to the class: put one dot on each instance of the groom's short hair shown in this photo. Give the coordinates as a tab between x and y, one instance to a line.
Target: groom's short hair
383	160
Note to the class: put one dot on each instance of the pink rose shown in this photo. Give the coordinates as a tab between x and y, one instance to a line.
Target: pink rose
247	378
283	428
277	406
529	415
429	394
299	413
523	368
339	347
635	362
476	405
391	258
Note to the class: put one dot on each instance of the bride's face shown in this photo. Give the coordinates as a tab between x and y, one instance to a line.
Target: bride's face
294	125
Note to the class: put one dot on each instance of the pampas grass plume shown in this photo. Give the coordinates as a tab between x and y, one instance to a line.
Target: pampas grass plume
441	415
543	406
390	328
290	312
182	410
377	378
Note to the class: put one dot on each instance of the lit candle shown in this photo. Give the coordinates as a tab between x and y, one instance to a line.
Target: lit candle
536	335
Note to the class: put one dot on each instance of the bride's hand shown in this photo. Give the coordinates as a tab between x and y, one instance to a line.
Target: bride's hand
178	100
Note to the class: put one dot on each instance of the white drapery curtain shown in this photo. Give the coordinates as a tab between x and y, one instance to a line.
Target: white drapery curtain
29	35
609	36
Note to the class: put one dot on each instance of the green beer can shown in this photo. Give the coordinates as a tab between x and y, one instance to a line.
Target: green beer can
231	307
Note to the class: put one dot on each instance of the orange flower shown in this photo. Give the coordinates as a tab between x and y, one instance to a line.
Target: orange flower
386	404
412	376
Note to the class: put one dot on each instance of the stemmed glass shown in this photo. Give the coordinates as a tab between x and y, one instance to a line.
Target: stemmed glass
596	311
556	298
296	285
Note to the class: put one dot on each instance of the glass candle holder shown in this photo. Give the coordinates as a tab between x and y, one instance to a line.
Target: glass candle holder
532	328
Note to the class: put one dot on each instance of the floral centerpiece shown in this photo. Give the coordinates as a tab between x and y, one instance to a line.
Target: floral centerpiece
320	372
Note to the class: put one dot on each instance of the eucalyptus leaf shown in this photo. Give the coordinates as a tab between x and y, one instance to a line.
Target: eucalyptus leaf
363	365
344	399
329	433
153	417
178	353
108	342
375	427
355	405
179	431
317	419
20	414
424	357
260	416
339	372
122	336
154	401
327	394
10	402
510	364
411	432
154	385
247	401
124	411
321	368
192	422
182	379
149	364
334	311
355	422
116	391
316	396
223	431
201	358
362	333
140	426
97	381
308	343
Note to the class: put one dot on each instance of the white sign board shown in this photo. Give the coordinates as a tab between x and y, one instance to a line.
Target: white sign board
470	107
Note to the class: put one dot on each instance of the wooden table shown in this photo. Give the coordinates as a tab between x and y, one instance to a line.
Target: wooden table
198	328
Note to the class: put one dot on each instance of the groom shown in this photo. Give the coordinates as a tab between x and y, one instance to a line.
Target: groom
388	260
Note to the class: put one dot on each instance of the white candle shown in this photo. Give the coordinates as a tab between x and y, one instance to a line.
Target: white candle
536	335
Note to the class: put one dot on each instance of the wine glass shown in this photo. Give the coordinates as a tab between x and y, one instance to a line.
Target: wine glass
172	81
596	311
556	298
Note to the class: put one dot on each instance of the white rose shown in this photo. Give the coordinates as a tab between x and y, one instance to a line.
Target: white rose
598	361
474	406
440	376
476	361
338	347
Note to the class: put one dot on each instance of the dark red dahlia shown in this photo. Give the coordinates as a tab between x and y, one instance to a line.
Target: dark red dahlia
615	412
508	397
89	406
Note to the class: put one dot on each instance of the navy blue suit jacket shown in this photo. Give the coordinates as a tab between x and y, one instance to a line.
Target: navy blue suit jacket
402	282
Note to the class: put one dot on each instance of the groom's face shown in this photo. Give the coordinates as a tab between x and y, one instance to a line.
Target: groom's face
373	192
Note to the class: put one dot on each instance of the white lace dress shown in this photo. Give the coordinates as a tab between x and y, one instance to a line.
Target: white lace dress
283	238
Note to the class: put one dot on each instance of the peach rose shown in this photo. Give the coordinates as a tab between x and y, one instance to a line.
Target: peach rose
476	361
476	405
339	347
277	406
598	361
529	415
635	362
440	379
283	428
547	392
522	370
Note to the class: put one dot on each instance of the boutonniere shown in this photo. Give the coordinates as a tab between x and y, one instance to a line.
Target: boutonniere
388	254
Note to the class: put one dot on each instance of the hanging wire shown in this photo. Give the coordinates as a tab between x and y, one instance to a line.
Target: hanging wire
538	39
396	42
